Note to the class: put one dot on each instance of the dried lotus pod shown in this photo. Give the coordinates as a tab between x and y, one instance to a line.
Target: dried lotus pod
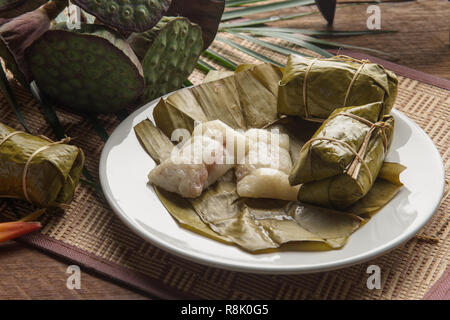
169	53
206	13
126	15
14	8
19	33
10	4
92	69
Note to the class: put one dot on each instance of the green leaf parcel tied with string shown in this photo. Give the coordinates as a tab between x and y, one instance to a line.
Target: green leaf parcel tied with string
339	164
313	88
36	169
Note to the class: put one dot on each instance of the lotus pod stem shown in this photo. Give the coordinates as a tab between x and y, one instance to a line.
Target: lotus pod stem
14	8
92	69
169	53
126	15
19	33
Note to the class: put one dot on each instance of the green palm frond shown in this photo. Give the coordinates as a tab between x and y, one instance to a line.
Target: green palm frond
262	8
336	33
97	126
267	45
52	119
238	3
262	21
220	59
204	66
243	30
248	51
5	88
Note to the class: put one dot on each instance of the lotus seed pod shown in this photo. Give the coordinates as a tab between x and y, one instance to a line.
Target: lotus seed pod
20	32
14	8
10	4
126	15
91	69
169	53
206	13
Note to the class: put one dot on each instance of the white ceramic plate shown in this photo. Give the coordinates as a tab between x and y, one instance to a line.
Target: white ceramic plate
124	166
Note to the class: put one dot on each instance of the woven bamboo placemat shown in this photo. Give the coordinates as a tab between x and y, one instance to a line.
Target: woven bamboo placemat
89	233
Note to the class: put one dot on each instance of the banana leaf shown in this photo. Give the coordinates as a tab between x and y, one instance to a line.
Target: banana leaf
51	176
229	99
386	186
332	83
255	225
256	85
219	213
217	75
323	166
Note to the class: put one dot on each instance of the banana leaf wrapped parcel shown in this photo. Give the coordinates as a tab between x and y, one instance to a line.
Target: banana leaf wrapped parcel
339	164
314	88
264	216
38	170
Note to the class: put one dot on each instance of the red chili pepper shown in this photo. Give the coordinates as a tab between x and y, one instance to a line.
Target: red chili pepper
11	230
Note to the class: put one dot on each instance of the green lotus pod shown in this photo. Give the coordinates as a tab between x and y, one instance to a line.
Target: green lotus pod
91	69
126	15
13	8
169	53
206	13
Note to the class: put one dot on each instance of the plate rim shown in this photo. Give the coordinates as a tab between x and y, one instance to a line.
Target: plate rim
222	263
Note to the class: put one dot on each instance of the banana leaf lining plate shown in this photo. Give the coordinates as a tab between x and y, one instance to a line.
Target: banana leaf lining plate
124	166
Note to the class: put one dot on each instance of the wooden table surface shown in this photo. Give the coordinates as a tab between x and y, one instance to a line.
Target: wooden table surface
422	43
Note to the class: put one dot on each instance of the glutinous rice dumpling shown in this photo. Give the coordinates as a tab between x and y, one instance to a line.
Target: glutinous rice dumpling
212	151
264	173
340	163
313	88
38	170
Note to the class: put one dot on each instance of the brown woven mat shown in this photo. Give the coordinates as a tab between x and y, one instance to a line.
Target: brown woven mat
89	233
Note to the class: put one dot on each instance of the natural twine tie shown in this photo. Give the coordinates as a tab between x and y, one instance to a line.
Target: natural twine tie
34	154
347	94
354	168
355	76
